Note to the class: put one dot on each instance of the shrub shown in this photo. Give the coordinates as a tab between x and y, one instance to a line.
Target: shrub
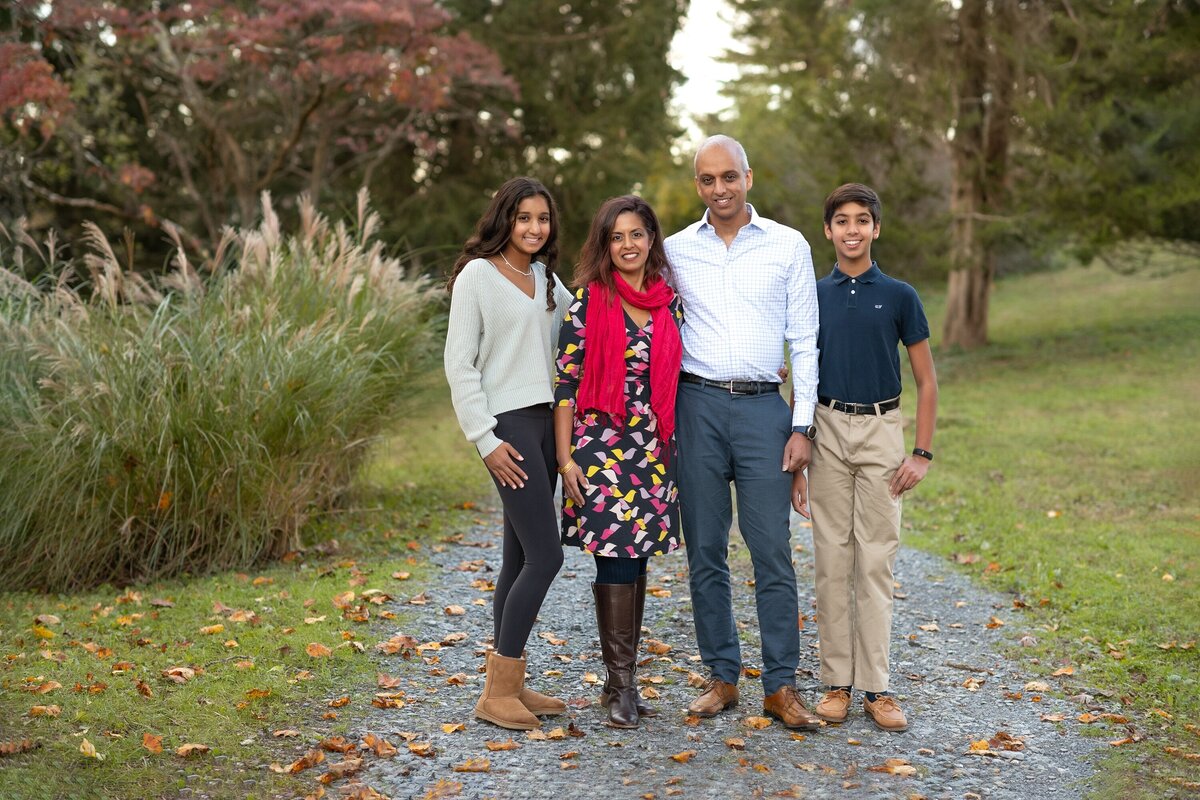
152	430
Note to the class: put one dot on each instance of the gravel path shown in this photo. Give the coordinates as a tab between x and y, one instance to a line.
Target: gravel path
930	665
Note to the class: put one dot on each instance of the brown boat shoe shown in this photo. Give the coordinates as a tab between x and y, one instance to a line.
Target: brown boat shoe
886	714
716	697
834	706
786	706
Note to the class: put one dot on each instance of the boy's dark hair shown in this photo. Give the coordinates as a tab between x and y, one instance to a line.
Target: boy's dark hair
853	193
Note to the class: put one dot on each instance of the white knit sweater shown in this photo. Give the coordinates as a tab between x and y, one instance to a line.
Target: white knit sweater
499	347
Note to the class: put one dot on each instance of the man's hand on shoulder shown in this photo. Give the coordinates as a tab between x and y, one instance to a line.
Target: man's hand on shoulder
797	452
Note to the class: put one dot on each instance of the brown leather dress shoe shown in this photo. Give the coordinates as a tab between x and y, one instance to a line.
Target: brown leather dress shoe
886	714
786	706
716	697
834	706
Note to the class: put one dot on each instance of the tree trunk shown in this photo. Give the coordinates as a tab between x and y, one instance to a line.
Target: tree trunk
970	279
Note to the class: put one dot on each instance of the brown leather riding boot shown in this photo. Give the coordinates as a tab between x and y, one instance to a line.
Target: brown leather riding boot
618	643
639	607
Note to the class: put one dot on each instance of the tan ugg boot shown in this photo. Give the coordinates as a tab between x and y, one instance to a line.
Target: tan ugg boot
541	704
500	704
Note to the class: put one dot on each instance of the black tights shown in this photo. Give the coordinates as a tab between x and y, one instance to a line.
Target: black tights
532	552
619	570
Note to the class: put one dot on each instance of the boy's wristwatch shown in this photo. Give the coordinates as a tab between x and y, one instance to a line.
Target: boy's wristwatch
807	431
925	454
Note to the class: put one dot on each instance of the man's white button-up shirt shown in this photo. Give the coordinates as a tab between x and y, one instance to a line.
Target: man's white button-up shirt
741	302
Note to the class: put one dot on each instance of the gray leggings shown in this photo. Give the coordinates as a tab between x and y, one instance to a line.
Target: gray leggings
532	553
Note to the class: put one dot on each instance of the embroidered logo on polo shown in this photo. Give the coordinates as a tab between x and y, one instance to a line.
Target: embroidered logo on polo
879	305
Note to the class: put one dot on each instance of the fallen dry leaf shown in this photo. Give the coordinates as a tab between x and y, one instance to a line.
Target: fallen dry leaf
379	746
152	743
89	750
19	746
1067	670
508	745
191	749
179	674
423	749
344	700
552	639
757	723
453	727
286	733
336	744
45	711
474	765
318	650
386	681
973	684
1053	717
211	630
454	611
684	757
895	766
657	648
306	761
735	743
341	769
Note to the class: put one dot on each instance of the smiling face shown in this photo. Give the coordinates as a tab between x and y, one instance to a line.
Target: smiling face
852	229
629	247
531	227
722	184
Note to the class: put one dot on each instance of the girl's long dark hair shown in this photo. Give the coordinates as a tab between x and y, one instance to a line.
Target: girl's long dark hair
494	229
595	263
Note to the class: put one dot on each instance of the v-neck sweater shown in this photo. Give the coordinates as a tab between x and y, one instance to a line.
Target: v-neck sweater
499	347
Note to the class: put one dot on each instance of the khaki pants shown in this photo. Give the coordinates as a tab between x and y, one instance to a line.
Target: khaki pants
856	533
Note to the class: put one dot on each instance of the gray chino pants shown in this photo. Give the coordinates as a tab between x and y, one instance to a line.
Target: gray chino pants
739	439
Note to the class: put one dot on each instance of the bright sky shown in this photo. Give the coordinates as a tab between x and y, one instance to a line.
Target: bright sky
703	38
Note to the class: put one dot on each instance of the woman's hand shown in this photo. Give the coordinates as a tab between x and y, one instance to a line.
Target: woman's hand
575	483
502	463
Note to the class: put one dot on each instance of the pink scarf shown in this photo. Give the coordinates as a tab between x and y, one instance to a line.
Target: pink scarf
602	387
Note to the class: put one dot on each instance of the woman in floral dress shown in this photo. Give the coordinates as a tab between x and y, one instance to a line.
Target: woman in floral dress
619	354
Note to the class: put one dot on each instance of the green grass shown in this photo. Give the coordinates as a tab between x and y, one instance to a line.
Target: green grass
1068	463
421	486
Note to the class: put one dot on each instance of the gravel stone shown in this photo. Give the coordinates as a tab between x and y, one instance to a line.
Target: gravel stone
929	669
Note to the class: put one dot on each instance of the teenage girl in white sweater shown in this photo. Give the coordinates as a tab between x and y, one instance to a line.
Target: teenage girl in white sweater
506	306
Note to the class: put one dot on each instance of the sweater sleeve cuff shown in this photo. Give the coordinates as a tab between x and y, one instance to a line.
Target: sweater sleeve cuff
487	444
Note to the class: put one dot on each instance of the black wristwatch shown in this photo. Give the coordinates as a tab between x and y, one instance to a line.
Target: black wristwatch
925	454
807	431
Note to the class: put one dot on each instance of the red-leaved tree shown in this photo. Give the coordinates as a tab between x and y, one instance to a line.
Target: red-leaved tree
188	111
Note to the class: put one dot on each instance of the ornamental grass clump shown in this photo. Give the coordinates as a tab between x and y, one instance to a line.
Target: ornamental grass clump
195	424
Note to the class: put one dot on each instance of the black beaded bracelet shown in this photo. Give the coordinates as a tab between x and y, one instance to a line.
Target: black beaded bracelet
925	454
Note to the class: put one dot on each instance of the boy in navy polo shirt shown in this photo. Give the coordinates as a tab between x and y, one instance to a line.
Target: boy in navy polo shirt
859	470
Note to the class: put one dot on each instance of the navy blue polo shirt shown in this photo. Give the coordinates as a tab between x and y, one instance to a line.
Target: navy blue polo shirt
863	320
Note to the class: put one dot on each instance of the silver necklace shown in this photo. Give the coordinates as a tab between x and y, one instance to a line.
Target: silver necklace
527	273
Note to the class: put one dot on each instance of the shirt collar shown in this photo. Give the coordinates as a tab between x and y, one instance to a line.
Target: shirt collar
755	220
869	276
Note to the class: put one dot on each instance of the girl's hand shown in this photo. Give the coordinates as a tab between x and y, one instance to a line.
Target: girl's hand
502	463
575	484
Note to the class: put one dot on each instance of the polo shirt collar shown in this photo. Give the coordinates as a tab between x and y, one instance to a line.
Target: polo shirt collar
755	220
870	276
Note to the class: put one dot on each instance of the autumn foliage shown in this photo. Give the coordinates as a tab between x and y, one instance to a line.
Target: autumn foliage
191	426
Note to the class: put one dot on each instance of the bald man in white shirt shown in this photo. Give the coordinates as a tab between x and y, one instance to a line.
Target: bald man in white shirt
747	288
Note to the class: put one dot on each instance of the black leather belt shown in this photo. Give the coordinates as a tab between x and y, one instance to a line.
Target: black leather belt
874	409
733	387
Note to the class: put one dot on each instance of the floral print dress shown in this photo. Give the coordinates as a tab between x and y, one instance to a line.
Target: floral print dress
631	505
